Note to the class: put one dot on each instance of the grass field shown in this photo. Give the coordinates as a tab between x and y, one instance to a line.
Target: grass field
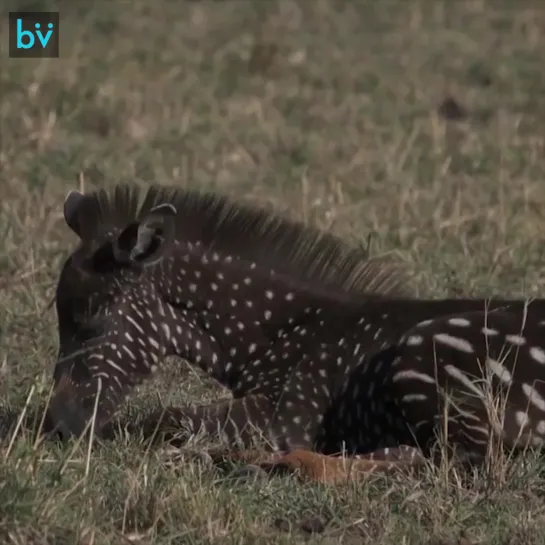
339	113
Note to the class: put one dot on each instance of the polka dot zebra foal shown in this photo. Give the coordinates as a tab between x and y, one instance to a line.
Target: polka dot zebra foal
322	350
238	291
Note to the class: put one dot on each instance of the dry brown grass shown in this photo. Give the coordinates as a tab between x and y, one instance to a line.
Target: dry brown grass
342	114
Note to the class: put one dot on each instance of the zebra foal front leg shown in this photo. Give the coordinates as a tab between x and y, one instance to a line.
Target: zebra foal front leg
238	424
248	432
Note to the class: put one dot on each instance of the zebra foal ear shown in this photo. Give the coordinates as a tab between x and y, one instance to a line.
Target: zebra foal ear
72	207
144	242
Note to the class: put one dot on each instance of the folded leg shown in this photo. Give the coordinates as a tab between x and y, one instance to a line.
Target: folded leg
243	423
237	423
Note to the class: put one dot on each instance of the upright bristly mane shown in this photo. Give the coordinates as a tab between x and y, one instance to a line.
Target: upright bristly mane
250	233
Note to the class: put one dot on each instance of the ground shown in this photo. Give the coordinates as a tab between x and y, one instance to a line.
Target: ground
413	127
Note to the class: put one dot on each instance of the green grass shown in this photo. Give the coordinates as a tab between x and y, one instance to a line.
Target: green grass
327	111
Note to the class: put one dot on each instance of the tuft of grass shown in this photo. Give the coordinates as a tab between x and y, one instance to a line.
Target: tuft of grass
414	127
